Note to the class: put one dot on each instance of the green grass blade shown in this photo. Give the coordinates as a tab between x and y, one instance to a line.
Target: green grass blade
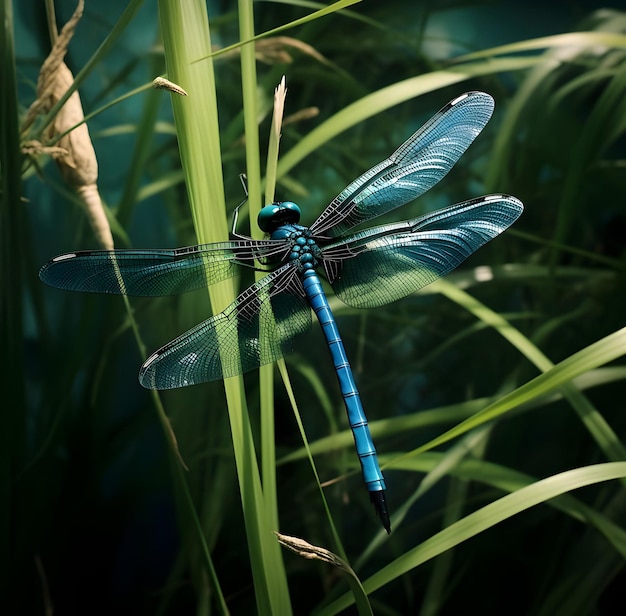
327	10
597	354
567	40
603	434
308	453
483	519
267	556
388	97
510	480
266	373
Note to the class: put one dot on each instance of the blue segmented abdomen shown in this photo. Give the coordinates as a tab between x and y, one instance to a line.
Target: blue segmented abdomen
356	416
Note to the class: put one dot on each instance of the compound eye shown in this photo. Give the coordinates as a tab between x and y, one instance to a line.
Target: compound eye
278	214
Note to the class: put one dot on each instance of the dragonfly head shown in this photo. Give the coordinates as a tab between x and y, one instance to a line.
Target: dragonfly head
278	214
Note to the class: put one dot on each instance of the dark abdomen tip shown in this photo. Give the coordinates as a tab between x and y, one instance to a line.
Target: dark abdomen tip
380	504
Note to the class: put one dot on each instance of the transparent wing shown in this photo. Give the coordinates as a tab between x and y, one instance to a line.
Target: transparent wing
417	165
385	263
154	272
258	328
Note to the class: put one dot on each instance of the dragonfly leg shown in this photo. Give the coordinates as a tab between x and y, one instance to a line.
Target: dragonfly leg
244	182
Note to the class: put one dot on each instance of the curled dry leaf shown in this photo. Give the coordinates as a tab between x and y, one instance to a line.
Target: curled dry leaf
312	552
36	148
303	114
273	50
165	84
280	93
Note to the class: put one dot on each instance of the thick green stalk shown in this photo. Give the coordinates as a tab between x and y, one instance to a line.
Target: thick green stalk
186	39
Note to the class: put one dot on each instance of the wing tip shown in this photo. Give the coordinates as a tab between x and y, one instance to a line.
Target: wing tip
511	199
52	275
475	96
146	373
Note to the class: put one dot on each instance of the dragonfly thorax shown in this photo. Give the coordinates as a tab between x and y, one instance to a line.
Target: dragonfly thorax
304	249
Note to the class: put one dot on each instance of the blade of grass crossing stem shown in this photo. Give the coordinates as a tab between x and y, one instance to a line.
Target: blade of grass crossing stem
266	373
283	371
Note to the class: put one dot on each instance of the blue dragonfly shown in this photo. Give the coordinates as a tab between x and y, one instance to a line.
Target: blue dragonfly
367	269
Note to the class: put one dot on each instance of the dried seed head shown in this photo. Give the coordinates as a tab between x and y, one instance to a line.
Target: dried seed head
68	133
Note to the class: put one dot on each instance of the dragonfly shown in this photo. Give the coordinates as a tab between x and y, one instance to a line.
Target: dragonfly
365	269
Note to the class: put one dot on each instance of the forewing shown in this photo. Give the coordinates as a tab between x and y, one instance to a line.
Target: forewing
154	272
417	165
258	328
386	263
